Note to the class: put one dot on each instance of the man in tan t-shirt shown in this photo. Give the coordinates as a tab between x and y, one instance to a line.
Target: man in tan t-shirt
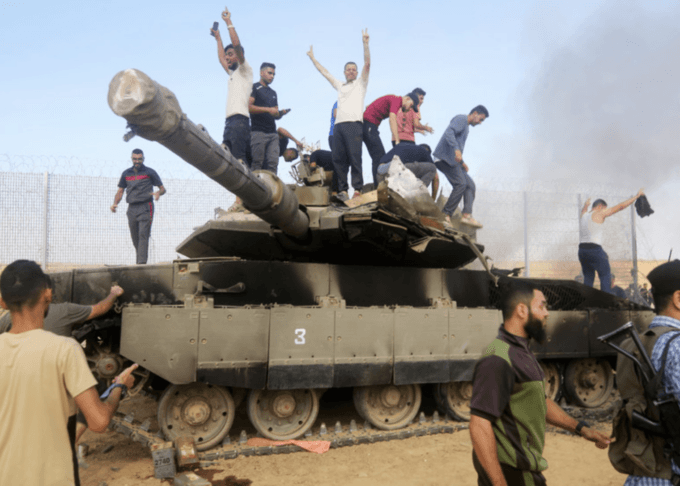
41	375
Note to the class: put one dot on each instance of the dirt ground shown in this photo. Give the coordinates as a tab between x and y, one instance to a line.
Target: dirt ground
433	460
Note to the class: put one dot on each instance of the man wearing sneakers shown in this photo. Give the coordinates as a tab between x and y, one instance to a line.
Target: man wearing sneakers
348	129
448	157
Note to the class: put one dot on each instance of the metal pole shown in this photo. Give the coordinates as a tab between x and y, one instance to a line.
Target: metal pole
46	192
634	243
526	235
578	220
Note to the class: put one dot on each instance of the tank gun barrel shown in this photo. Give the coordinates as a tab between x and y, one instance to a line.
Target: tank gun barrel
153	112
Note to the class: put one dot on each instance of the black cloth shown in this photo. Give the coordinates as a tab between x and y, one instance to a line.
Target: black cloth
642	206
140	217
514	477
324	159
347	137
236	137
407	153
139	184
264	96
619	292
71	427
283	145
375	147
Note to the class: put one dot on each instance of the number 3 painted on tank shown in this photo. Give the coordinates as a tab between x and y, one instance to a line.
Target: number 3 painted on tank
300	336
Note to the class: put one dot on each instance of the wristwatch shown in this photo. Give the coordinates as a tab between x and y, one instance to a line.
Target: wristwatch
123	394
580	425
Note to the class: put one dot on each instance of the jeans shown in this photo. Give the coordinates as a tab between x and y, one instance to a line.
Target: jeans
462	187
594	259
236	137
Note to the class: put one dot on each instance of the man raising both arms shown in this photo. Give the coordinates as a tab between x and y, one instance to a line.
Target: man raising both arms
347	132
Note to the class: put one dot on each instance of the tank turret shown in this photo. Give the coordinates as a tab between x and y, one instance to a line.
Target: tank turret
394	227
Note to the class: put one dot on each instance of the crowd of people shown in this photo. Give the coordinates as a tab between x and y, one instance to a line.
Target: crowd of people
251	135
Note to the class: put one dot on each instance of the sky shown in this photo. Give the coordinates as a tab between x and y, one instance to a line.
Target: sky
582	91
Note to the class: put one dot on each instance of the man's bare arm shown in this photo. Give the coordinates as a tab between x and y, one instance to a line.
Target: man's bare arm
117	198
559	418
221	56
622	205
394	128
104	305
484	444
97	413
252	108
584	209
235	41
282	131
419	127
320	68
367	56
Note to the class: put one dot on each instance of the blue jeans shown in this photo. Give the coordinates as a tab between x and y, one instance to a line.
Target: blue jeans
236	137
462	187
594	259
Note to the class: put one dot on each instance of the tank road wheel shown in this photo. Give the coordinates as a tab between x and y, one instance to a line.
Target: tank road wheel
388	407
551	380
283	414
203	412
589	382
454	399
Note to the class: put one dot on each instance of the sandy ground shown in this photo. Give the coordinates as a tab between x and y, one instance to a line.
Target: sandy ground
434	460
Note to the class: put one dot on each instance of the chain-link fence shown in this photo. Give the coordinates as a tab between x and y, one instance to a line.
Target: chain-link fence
56	210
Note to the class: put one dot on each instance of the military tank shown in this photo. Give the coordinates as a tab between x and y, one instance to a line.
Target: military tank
304	294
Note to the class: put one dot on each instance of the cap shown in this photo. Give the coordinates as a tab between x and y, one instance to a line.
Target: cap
665	278
416	101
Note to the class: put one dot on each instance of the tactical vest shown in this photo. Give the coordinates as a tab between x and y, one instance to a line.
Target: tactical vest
636	452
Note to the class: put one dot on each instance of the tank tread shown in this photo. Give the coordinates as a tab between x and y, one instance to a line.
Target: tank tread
338	436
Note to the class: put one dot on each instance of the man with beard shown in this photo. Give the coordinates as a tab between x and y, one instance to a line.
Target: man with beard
509	409
138	181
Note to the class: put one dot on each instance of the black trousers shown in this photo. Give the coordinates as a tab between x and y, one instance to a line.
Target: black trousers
514	477
347	138
71	427
375	148
140	217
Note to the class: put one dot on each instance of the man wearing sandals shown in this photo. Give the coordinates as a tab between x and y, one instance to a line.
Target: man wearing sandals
448	157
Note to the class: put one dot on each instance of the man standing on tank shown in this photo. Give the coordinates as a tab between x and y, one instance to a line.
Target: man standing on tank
347	131
139	181
591	255
264	111
236	135
384	107
448	157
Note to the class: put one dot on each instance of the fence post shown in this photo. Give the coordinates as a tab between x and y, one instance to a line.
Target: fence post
526	235
46	193
633	239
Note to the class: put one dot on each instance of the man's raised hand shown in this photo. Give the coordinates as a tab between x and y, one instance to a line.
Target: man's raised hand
364	35
226	15
311	52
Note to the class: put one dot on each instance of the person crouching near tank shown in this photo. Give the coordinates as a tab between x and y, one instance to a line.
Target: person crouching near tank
42	377
665	280
509	409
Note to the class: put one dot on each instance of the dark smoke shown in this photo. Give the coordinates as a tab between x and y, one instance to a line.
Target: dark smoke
606	107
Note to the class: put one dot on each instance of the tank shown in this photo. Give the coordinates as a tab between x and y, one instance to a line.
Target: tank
302	294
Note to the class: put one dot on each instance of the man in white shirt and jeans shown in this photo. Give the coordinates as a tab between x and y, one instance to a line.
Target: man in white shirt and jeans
348	129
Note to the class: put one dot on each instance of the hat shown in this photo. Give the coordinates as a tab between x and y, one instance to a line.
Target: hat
665	278
416	101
